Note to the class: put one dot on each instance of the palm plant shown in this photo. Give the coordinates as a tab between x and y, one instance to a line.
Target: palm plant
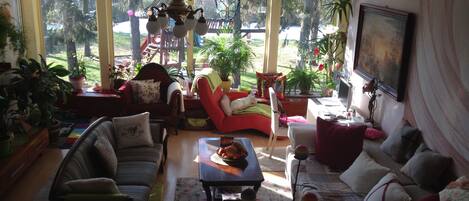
305	80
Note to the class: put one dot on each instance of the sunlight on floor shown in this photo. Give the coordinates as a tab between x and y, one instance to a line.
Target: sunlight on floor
278	184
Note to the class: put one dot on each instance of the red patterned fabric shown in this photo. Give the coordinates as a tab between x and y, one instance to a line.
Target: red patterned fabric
433	197
338	146
374	134
274	80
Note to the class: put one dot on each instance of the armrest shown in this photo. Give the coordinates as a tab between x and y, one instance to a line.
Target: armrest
157	130
233	95
304	134
97	197
174	98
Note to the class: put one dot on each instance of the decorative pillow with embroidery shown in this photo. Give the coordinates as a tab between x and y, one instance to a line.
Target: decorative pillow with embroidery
148	92
133	131
456	190
134	87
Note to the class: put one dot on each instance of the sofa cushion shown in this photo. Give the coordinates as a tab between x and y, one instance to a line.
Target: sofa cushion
137	193
426	168
133	131
415	192
363	174
93	185
134	86
108	157
402	144
243	103
337	146
150	154
456	190
388	189
225	105
374	134
136	173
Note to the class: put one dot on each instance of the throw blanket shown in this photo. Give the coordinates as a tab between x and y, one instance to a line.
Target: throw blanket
261	109
173	87
213	79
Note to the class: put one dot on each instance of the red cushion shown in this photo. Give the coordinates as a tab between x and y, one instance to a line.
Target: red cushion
432	197
374	134
338	146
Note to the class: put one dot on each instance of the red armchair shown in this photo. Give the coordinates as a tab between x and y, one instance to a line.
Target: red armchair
166	109
211	103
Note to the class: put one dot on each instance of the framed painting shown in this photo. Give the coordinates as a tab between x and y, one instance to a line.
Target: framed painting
383	46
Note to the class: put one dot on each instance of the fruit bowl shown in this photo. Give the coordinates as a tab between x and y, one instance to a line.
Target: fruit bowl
232	154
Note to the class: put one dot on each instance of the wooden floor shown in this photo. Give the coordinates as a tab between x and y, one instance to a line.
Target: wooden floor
182	152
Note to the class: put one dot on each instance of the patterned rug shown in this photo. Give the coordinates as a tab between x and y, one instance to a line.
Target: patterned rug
274	164
190	189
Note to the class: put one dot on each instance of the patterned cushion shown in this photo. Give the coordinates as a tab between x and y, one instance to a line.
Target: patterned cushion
133	85
274	80
148	92
107	154
133	131
456	190
388	189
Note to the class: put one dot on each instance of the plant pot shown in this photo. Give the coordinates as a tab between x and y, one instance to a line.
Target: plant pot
5	146
226	86
327	92
54	132
77	83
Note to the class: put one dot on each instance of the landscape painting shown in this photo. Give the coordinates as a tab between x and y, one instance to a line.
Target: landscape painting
382	47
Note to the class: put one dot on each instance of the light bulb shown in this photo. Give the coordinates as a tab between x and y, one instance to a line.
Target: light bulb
179	30
201	28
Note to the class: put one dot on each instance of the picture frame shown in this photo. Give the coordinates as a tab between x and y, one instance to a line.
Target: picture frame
383	47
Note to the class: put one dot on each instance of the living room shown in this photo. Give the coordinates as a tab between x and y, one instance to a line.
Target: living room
394	120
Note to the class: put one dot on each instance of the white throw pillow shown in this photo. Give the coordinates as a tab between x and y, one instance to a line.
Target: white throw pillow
225	105
243	103
393	192
363	174
133	131
107	154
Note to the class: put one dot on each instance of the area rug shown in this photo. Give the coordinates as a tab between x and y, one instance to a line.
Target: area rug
190	189
67	139
274	164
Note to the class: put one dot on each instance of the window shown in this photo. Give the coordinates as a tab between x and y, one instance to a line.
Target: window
71	36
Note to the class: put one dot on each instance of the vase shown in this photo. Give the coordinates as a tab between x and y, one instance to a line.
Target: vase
77	83
226	86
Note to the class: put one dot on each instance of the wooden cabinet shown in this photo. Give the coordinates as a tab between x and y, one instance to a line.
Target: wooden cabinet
12	167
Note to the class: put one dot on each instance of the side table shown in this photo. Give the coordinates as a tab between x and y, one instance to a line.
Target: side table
90	103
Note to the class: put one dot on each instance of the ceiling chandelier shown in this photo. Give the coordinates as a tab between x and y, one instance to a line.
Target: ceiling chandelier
181	13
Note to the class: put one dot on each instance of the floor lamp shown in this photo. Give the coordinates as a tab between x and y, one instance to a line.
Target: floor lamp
301	153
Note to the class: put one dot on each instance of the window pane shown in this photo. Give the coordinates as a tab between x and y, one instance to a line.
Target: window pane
71	36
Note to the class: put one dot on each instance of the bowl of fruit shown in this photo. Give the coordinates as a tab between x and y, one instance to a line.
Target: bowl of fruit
232	154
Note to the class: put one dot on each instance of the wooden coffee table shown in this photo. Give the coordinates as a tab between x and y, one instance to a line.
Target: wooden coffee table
212	174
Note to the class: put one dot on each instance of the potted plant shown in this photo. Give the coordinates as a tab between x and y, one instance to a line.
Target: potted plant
7	80
305	80
10	35
228	56
77	75
47	89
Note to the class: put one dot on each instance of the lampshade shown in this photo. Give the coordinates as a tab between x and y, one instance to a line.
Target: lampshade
190	23
201	28
153	27
162	20
179	30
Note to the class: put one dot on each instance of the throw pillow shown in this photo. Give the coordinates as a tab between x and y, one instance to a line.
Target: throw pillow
225	105
426	168
148	92
338	146
374	134
363	174
107	154
456	190
93	185
402	144
243	103
133	86
388	189
133	131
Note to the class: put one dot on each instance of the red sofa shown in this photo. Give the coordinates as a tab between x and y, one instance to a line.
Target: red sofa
211	103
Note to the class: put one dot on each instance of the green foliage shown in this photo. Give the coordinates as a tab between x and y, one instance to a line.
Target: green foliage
228	55
338	8
79	70
8	108
10	35
46	86
305	80
174	73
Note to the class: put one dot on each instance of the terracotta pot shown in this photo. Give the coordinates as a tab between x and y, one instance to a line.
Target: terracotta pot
77	83
226	86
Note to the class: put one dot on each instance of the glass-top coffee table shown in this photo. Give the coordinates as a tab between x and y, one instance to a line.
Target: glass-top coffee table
214	175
